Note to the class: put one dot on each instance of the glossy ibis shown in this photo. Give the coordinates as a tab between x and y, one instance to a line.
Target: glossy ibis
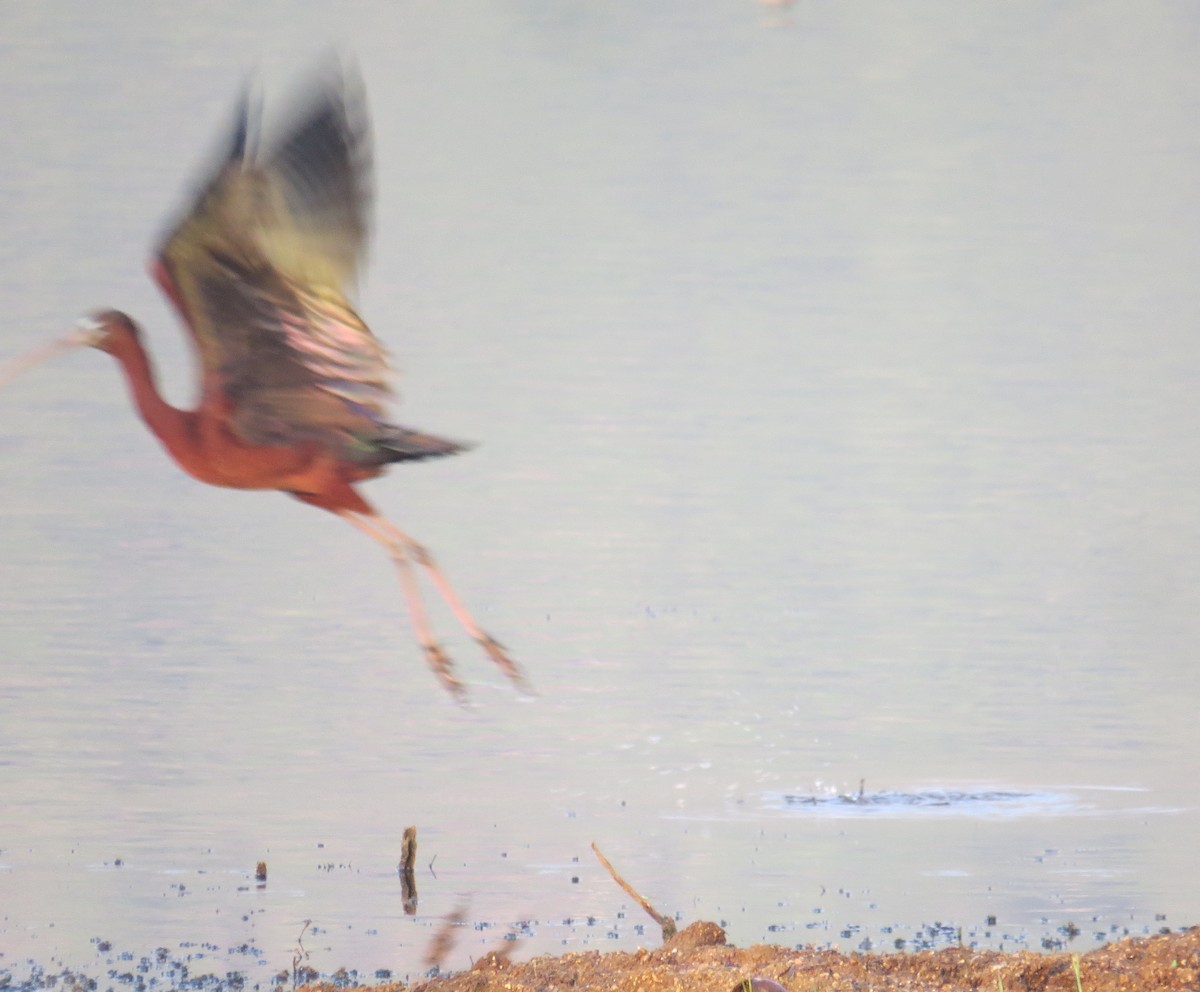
294	386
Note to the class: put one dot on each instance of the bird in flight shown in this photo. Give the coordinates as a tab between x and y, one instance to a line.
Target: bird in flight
294	387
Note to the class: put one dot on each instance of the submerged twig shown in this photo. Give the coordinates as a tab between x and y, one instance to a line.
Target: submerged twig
300	954
667	924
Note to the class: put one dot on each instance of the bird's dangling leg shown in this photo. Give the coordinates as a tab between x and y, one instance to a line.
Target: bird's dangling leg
438	660
405	547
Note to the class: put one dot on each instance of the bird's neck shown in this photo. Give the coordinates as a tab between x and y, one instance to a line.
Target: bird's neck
172	426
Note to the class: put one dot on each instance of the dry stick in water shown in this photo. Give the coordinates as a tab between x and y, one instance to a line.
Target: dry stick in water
408	849
667	924
408	882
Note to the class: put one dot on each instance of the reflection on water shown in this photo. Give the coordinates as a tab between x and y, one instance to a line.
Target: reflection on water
835	389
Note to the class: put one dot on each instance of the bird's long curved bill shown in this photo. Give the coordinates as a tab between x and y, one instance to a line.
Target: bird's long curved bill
14	367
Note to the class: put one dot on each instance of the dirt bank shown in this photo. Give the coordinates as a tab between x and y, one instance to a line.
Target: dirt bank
698	960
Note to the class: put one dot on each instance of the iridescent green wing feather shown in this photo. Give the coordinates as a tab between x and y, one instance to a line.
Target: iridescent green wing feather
260	268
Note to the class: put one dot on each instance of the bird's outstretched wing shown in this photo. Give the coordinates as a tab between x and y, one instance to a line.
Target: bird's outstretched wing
261	267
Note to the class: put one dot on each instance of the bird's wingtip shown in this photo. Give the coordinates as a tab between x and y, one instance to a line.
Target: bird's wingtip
246	125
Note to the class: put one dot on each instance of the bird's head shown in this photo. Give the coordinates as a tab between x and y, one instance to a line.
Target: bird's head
102	329
106	330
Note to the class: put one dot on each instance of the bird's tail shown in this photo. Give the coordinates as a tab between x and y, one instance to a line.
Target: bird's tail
403	445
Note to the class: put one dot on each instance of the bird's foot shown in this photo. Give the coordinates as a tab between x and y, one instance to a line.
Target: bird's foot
443	668
500	656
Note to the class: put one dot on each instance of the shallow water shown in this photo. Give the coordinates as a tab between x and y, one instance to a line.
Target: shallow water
834	375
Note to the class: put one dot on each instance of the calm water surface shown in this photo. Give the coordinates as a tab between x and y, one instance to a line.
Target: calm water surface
835	376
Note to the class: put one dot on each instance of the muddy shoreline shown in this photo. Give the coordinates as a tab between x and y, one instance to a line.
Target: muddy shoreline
698	959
